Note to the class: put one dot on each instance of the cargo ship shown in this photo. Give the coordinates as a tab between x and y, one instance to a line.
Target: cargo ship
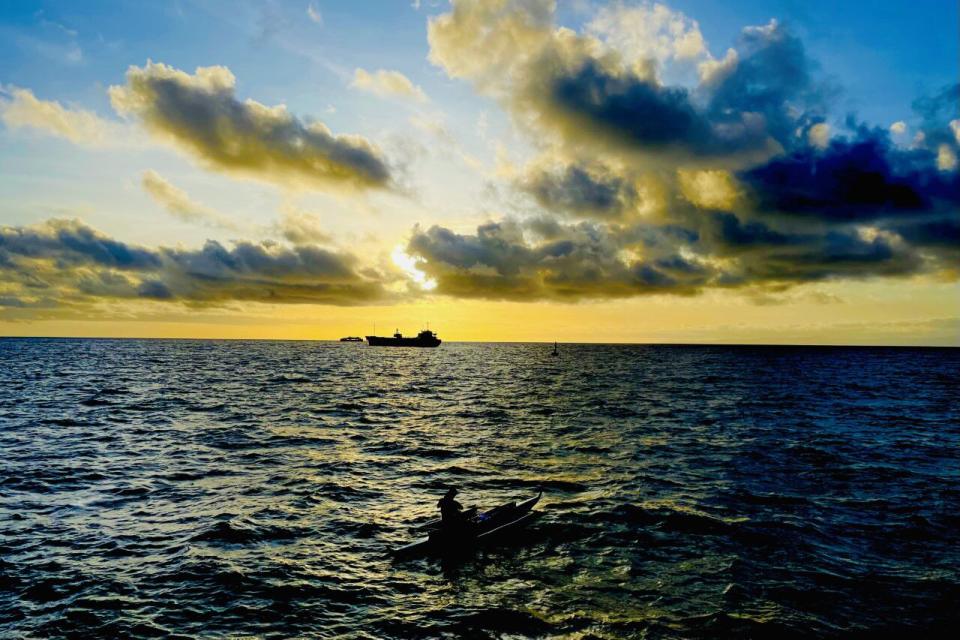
425	338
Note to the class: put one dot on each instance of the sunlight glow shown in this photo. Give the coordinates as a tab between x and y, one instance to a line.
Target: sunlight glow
409	266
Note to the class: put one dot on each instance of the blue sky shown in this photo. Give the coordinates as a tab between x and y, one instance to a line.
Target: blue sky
883	54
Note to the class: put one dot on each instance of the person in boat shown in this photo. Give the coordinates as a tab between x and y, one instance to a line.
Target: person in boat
451	511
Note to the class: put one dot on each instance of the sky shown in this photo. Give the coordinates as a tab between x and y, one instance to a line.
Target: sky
504	170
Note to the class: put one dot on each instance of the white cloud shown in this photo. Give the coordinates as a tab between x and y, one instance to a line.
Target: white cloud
819	135
25	110
649	31
946	158
386	83
898	128
180	205
314	14
300	227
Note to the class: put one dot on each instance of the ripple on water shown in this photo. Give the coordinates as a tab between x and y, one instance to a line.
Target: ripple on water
194	489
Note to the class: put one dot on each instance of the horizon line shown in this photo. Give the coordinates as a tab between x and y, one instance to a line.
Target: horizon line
549	342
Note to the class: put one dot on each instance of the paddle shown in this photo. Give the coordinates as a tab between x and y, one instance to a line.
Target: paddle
469	513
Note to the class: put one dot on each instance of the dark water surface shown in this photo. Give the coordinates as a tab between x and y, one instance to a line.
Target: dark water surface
213	489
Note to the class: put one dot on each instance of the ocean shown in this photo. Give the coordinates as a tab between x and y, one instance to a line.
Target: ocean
207	489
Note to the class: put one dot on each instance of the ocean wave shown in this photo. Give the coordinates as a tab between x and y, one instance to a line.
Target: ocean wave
688	492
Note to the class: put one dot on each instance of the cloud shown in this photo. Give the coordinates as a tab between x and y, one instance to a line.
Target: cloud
858	209
946	158
769	82
758	254
657	168
862	178
301	227
69	243
602	90
178	204
510	260
25	110
314	14
819	135
649	32
943	232
498	263
64	262
645	183
388	84
581	191
634	110
201	115
52	41
709	188
938	113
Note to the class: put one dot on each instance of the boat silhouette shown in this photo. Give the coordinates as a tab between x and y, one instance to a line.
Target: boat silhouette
425	338
481	528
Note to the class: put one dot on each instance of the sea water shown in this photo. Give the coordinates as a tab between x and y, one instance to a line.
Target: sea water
202	489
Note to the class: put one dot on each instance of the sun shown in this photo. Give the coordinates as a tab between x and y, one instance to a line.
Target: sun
409	266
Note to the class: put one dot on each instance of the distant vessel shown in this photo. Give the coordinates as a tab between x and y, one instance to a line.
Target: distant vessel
351	339
425	338
555	352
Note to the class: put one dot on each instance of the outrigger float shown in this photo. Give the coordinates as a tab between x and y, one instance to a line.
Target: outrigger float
479	529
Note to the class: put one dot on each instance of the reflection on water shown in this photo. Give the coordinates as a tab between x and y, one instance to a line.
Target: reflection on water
206	488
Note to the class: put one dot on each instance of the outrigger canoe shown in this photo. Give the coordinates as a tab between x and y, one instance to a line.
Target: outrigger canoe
480	528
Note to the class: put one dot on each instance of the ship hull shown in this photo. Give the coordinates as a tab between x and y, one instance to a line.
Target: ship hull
379	341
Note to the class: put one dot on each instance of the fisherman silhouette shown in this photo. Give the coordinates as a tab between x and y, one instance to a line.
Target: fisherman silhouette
451	511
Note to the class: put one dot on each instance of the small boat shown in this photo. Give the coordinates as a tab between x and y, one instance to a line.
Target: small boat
555	353
480	529
351	339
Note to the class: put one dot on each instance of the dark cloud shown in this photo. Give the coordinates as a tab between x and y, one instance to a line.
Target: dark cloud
937	237
772	77
203	116
214	261
494	247
767	93
860	179
69	243
739	182
579	191
584	93
154	289
833	256
758	254
498	262
632	108
943	232
541	260
67	261
733	233
940	107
